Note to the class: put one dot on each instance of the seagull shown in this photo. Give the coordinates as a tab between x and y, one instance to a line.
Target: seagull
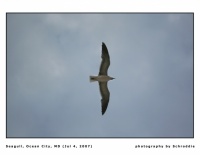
103	78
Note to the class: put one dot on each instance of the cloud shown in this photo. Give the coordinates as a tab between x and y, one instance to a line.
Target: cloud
50	58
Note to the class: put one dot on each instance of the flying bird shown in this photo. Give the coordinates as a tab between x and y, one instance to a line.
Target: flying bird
103	78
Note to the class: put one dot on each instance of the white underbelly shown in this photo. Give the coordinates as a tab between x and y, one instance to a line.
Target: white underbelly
101	78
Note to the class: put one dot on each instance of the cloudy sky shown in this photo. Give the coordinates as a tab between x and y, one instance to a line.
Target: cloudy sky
51	56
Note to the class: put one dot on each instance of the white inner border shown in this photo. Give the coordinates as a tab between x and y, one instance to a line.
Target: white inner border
126	146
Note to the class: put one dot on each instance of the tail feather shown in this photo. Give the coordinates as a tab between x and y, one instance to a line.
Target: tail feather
92	78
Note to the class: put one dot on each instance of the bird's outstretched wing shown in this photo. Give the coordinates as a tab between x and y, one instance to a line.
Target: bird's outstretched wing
105	94
105	63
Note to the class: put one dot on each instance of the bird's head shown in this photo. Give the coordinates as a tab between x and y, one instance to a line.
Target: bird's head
111	78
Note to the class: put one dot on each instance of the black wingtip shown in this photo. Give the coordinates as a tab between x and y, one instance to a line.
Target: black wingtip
103	110
104	47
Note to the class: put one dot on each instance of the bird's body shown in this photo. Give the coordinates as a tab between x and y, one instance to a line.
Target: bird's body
100	78
103	78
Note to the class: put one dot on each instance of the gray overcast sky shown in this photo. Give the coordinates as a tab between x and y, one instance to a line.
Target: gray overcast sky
51	56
